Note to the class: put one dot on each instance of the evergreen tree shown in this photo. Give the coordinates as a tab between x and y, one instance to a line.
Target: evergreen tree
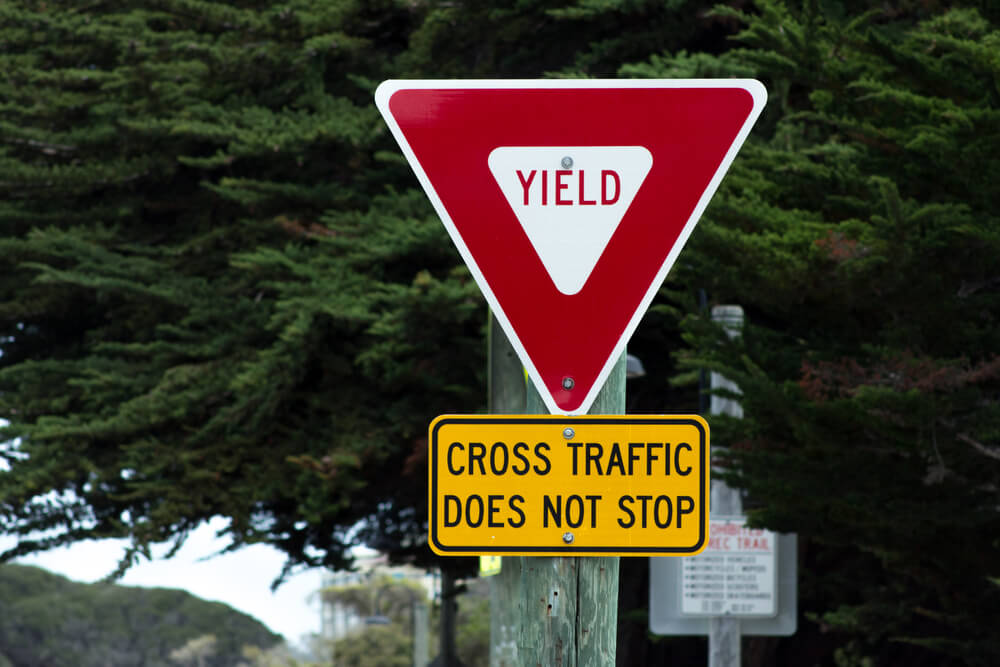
153	375
859	232
222	293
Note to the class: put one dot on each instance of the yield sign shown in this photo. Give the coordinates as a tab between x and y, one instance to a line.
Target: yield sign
569	200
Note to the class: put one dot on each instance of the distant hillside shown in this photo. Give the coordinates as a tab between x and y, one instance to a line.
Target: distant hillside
47	620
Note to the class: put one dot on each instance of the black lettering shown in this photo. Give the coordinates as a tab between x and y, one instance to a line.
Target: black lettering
569	504
615	460
594	453
468	511
501	447
685	505
632	456
645	501
593	510
524	459
538	452
555	510
477	452
448	500
575	446
491	501
651	456
677	459
515	508
452	469
631	516
656	512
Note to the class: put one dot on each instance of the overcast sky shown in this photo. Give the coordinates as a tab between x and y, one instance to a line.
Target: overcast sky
241	579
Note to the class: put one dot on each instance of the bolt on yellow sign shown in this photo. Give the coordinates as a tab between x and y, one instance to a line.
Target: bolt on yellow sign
549	485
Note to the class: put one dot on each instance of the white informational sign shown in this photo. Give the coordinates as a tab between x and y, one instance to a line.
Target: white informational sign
736	574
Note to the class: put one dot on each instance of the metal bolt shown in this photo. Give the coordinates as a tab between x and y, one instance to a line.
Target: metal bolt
568	538
567	162
568	433
568	383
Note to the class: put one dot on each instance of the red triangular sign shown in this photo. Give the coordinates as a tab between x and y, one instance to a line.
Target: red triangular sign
569	200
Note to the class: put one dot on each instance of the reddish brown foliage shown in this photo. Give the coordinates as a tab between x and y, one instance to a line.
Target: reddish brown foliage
825	380
839	247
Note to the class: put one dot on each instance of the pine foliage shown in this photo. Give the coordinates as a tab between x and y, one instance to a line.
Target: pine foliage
222	293
859	231
159	368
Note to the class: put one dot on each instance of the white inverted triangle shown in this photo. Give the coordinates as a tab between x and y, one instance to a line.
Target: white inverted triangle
571	225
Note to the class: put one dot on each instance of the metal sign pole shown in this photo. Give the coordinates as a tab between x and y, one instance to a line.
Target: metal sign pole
724	633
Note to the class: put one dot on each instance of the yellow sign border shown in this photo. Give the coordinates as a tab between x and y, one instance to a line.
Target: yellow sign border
569	421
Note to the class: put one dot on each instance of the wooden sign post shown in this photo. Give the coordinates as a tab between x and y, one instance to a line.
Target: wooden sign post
551	611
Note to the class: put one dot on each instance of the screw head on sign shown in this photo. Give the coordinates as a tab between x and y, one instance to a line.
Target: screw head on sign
567	162
568	383
568	433
568	538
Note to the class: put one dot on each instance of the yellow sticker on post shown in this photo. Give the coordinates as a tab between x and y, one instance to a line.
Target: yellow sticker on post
556	485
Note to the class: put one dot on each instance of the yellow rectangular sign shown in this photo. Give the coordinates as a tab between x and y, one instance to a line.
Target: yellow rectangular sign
551	485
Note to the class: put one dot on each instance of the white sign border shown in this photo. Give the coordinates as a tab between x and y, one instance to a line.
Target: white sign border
384	93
